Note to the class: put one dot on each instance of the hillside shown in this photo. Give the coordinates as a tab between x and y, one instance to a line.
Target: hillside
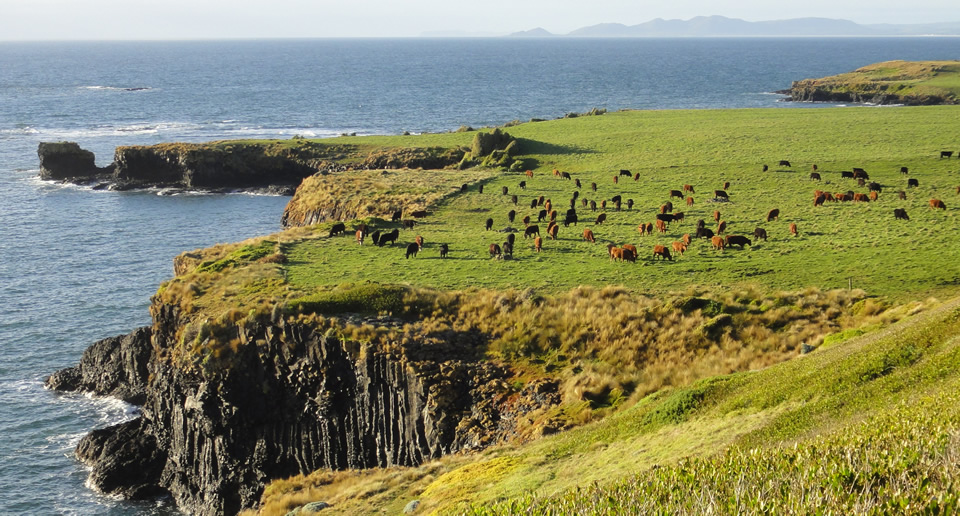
891	82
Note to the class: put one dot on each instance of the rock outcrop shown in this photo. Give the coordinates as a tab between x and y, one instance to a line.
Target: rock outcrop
912	83
66	161
291	399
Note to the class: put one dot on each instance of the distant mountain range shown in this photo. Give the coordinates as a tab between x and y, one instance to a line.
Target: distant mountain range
713	26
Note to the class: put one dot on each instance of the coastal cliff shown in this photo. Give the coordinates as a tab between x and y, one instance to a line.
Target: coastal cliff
892	82
291	398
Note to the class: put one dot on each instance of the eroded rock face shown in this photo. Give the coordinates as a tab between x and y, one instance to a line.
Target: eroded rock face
116	367
61	161
291	401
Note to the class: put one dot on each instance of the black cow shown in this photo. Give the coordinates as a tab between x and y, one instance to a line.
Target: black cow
900	214
512	237
571	218
784	163
480	188
946	154
720	194
495	251
507	250
338	229
739	240
666	217
412	250
565	175
616	198
594	186
846	174
514	199
444	250
533	203
531	230
542	216
390	237
463	187
704	233
576	194
625	173
904	170
815	176
593	205
408	224
875	187
578	183
601	218
523	185
489	224
505	190
396	215
375	237
511	215
629	204
912	182
765	168
760	233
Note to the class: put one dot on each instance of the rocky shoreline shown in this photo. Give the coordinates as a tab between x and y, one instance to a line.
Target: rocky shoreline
294	400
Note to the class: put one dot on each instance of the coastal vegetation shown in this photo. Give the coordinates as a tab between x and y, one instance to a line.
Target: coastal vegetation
890	82
715	364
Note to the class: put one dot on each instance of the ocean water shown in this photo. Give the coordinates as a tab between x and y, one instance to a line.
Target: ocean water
78	265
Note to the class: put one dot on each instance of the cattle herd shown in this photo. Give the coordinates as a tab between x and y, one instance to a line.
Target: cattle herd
720	237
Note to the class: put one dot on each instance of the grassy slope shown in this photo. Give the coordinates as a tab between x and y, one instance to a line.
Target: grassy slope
702	148
871	422
902	78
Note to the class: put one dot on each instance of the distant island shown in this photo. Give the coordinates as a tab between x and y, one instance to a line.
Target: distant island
721	26
913	83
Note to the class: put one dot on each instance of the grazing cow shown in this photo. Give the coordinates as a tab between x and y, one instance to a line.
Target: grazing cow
900	214
859	173
616	198
946	154
665	217
716	215
760	233
688	188
463	188
636	177
718	243
507	250
845	174
603	204
615	253
678	216
721	227
408	224
649	228
576	194
444	250
419	214
661	226
526	220
360	237
588	236
616	205
338	229
550	225
480	188
570	218
542	216
676	193
664	208
642	228
375	237
412	250
390	238
765	168
565	175
593	205
601	218
814	167
701	224
616	179
363	227
861	182
793	229
514	199
720	194
829	196
529	173
629	204
859	197
686	238
784	163
817	201
679	247
397	215
726	185
739	240
578	183
773	214
902	195
873	196
504	190
630	247
904	170
533	203
689	201
537	244
625	173
556	172
553	215
584	202
912	182
531	230
662	252
512	238
548	205
815	176
627	254
958	190
875	187
540	200
937	204
511	215
704	233
495	251
489	224
593	186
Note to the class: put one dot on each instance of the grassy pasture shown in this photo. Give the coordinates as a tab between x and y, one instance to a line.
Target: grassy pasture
839	244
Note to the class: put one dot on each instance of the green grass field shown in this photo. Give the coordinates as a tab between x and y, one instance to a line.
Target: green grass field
839	244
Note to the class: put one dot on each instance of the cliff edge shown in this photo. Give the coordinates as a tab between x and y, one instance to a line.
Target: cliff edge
912	83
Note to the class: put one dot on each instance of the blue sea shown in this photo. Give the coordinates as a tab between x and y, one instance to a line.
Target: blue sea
78	265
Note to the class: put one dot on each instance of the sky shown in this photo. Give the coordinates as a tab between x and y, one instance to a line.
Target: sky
218	19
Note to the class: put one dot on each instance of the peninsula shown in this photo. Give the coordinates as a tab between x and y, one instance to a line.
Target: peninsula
911	83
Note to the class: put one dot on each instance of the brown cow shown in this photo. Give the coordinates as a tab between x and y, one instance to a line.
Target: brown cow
937	204
686	238
593	186
903	195
958	190
628	255
726	185
603	204
636	177
552	231
859	197
689	201
679	248
615	252
829	196
538	244
556	172
718	243
716	215
688	188
495	251
793	229
662	252
616	179
600	218
553	215
529	173
873	196
633	249
676	193
721	227
540	201
678	215
419	241
773	214
360	236
548	205
642	228
588	236
661	226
